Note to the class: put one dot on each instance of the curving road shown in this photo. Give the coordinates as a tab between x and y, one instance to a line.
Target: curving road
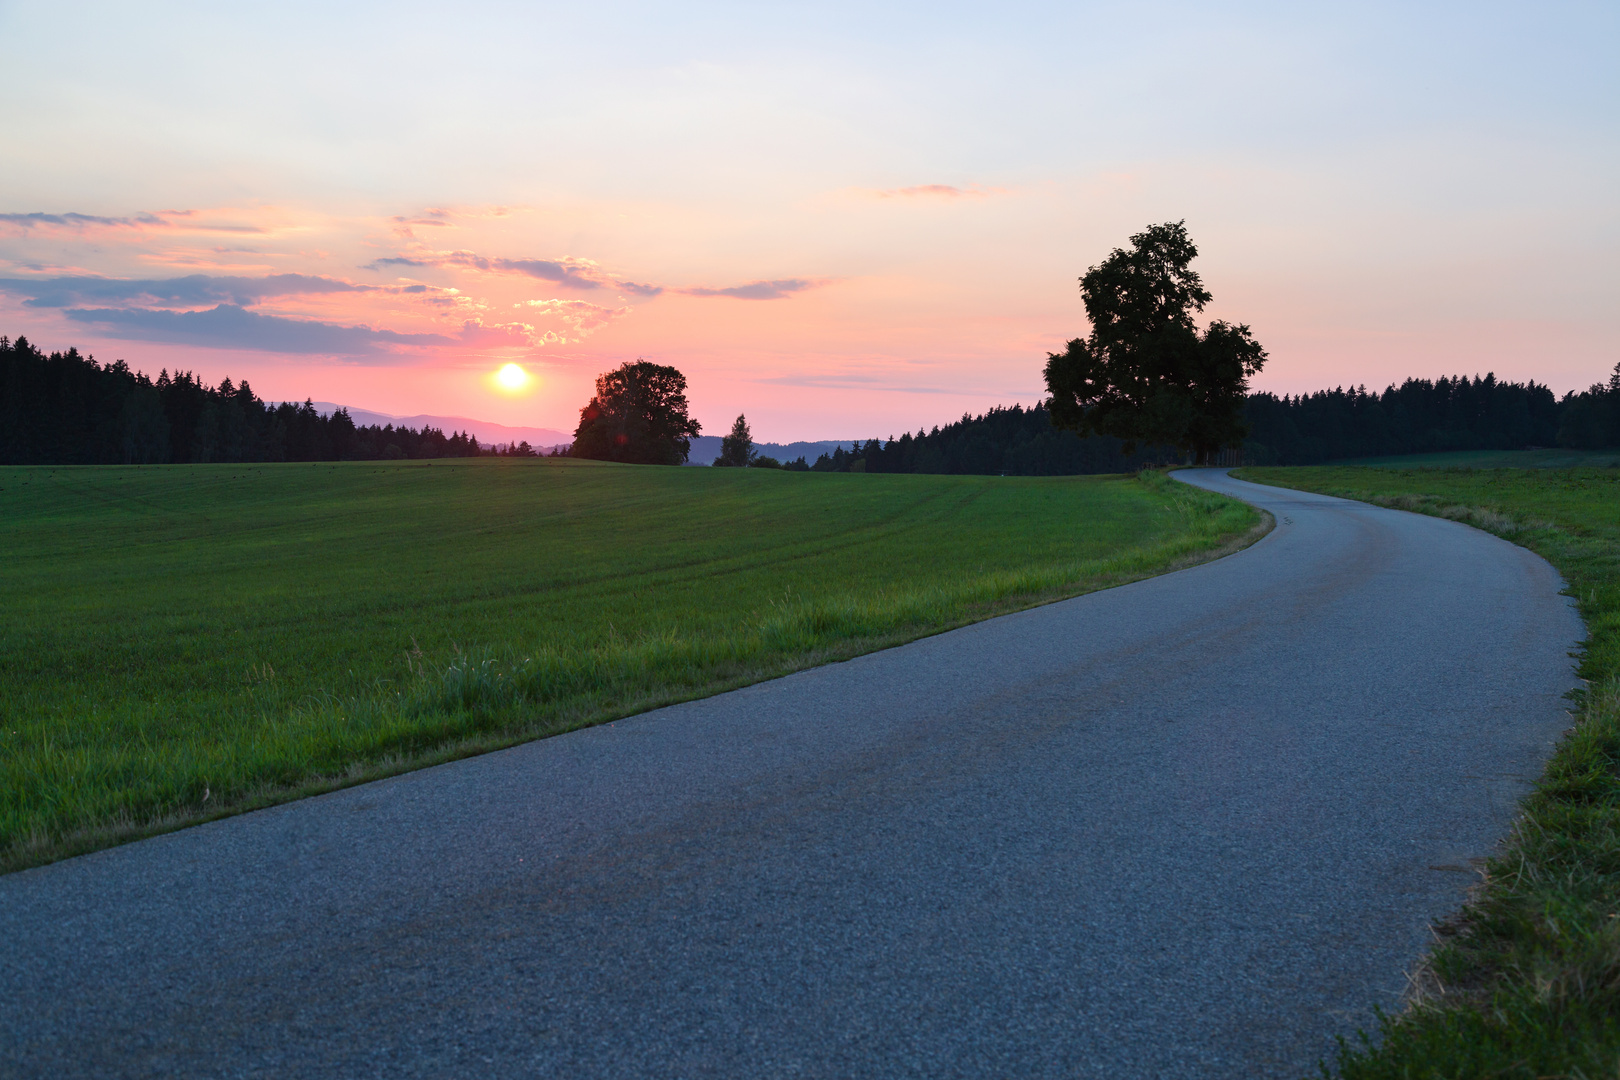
1194	826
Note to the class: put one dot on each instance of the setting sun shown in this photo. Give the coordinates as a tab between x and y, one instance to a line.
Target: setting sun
511	378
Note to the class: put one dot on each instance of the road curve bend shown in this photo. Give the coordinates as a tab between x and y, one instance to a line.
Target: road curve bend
1194	826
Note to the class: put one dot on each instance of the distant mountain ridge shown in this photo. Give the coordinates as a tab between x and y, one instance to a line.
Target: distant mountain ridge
705	448
487	432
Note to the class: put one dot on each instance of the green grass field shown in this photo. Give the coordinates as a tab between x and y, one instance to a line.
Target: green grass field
180	642
1546	458
1526	980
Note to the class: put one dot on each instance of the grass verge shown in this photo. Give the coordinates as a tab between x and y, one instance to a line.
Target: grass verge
183	642
1495	459
1525	981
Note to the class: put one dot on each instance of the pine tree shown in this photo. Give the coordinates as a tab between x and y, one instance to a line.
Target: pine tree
737	449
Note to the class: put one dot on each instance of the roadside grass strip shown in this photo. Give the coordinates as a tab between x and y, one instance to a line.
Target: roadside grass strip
185	642
1524	982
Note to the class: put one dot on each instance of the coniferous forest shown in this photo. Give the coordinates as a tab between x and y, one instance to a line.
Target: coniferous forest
64	408
1421	417
1416	417
1015	440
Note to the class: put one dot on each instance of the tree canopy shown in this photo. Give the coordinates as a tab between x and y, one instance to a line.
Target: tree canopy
737	449
638	415
1146	373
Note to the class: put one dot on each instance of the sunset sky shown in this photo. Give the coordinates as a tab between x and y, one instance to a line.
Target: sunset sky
845	220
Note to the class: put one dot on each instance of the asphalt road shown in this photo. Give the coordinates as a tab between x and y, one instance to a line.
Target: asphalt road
1194	826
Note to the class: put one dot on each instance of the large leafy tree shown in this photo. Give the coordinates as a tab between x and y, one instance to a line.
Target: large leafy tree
1146	373
638	415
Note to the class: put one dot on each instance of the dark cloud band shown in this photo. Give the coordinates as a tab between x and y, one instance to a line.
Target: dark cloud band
134	222
572	275
190	291
758	290
228	326
583	275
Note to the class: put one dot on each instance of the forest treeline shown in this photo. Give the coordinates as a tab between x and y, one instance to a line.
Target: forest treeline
64	408
1419	416
1014	440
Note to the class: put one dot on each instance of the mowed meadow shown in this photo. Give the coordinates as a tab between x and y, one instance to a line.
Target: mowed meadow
180	642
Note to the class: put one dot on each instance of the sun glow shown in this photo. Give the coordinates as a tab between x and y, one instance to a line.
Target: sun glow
512	378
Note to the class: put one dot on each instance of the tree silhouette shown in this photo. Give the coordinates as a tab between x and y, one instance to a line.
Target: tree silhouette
737	449
638	415
64	408
1146	374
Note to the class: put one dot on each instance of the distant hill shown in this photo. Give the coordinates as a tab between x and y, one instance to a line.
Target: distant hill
486	432
705	448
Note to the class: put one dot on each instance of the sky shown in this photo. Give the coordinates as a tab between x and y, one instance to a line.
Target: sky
846	220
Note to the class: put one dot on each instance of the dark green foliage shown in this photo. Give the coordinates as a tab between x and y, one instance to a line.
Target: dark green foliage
1525	983
638	416
737	449
66	409
1011	441
1417	417
1591	420
1146	374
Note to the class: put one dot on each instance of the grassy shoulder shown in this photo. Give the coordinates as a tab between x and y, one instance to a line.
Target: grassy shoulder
1525	981
184	642
1545	458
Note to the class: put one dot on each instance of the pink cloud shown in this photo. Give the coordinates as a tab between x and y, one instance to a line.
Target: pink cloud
939	191
578	318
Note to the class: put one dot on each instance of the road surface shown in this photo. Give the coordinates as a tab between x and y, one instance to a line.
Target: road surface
1194	826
